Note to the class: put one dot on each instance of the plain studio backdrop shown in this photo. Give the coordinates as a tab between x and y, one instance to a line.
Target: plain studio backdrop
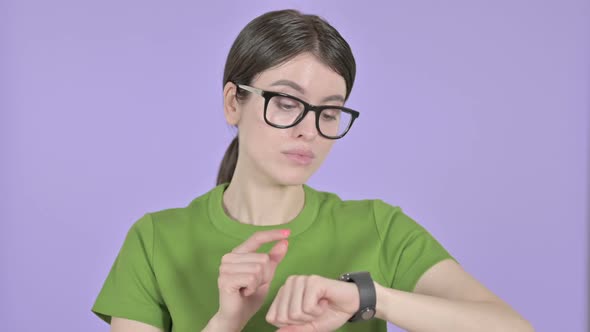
474	119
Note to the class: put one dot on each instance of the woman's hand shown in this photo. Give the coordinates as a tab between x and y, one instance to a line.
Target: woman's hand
245	277
313	304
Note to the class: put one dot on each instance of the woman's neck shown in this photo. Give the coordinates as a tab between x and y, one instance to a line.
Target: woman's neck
251	202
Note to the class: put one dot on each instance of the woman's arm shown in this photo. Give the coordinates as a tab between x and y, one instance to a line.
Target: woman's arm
126	325
446	298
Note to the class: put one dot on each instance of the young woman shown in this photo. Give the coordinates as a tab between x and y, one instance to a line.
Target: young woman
262	250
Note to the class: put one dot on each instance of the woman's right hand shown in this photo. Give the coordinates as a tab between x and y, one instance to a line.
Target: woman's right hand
245	276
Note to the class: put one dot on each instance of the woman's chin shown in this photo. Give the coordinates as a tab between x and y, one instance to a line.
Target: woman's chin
293	179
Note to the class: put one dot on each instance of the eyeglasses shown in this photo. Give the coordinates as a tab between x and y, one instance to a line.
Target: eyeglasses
284	111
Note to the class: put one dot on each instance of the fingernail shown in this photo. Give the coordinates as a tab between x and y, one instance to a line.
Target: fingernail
286	232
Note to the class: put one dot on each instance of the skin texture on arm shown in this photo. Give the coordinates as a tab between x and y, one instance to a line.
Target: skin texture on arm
126	325
446	298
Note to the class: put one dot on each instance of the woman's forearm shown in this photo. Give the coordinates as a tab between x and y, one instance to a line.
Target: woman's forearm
423	313
217	324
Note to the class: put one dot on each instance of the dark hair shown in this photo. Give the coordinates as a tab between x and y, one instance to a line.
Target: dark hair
272	39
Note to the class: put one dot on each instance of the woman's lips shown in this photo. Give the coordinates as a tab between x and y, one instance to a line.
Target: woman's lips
300	157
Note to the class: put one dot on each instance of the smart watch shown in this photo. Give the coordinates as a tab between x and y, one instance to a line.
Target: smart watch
367	294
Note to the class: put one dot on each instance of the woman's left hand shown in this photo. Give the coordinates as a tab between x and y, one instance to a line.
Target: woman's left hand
313	304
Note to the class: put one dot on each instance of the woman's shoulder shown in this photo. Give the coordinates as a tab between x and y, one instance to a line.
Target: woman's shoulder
384	214
333	198
376	207
176	217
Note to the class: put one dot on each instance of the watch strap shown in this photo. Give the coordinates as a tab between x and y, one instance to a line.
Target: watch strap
367	294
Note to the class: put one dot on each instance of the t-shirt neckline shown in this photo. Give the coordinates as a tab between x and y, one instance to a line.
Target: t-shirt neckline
236	229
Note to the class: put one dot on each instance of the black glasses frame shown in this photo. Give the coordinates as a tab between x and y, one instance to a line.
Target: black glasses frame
307	107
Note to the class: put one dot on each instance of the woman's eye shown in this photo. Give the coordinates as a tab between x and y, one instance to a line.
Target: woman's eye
330	115
285	104
288	106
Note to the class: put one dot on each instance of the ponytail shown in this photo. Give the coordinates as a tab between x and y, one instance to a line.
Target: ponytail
228	164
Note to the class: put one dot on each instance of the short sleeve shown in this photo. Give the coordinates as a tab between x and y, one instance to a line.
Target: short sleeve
408	250
131	289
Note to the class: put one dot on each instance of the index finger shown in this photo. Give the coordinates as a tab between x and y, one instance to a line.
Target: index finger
259	238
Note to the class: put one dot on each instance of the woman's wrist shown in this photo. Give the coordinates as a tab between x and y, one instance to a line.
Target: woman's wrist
380	313
218	323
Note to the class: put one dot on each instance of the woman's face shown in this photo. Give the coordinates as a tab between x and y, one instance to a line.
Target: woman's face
284	156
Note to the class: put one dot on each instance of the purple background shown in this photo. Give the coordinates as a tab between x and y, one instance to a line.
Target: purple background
474	119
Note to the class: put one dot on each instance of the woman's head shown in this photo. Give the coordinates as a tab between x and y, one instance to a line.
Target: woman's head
288	52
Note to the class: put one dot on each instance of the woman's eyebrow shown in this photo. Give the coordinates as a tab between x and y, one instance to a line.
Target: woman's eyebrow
301	90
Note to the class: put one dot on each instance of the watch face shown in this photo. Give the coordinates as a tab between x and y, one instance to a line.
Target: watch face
367	314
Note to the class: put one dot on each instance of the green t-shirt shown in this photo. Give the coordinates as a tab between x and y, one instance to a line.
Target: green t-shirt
166	272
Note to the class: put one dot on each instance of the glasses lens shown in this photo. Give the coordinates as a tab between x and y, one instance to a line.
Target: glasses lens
283	111
334	122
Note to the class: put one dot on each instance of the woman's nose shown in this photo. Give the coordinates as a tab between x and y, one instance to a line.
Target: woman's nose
307	127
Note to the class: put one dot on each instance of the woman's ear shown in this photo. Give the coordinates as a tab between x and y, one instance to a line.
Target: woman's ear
230	104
